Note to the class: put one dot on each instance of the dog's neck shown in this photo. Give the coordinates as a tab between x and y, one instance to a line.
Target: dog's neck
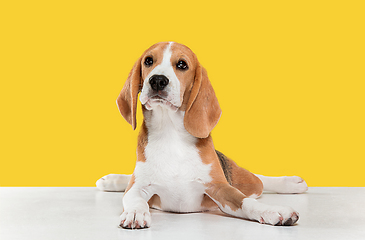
162	121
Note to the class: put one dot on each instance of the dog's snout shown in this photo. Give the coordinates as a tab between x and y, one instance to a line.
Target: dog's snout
158	82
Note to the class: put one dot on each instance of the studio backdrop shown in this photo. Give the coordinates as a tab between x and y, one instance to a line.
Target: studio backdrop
289	76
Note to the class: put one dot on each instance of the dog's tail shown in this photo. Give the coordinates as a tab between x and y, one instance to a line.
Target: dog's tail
113	182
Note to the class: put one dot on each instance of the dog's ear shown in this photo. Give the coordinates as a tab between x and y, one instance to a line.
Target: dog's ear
127	99
203	110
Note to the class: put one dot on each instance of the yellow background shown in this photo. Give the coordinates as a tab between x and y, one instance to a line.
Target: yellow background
289	76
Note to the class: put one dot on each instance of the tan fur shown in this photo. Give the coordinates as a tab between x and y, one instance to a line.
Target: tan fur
156	52
245	181
203	110
142	143
226	195
207	203
219	189
127	99
208	156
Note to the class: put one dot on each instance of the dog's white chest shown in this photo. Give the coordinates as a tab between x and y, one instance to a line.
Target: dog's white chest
173	168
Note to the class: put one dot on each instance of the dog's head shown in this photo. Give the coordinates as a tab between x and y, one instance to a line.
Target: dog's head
169	75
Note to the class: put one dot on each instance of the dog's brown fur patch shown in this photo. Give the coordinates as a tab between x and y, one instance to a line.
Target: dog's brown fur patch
226	195
226	166
142	143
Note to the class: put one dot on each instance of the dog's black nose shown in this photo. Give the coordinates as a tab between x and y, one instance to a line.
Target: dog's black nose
158	82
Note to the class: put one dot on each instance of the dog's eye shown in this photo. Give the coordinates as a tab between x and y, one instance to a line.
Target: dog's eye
148	61
182	65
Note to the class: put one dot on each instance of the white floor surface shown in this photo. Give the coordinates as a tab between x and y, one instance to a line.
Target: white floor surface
86	213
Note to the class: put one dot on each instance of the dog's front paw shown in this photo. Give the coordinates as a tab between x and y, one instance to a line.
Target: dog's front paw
279	216
135	220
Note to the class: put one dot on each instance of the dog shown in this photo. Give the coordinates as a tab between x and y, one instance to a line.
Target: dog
178	168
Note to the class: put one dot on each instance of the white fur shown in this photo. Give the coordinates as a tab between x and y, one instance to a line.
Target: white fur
173	168
284	184
113	182
263	213
136	209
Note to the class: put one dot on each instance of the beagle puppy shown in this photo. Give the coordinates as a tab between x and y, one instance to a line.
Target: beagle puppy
178	168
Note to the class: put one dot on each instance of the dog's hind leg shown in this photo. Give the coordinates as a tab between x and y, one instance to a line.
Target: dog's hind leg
285	184
240	178
113	182
232	201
